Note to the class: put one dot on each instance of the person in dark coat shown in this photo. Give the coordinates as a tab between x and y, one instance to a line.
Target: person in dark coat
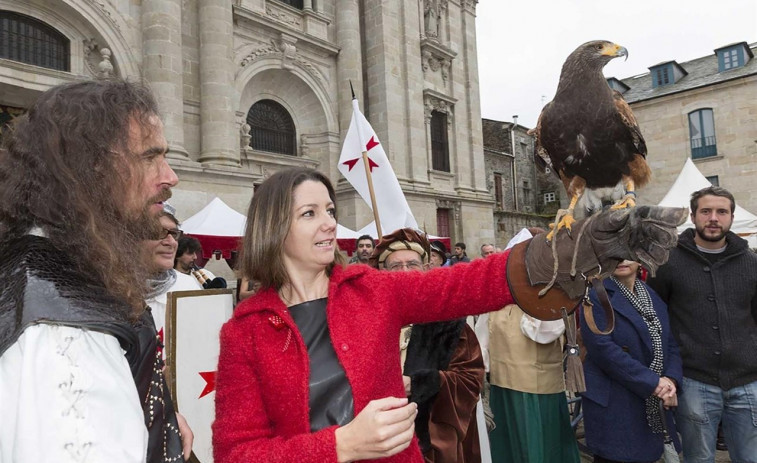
629	372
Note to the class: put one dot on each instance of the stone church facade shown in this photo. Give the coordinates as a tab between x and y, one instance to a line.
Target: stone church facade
247	87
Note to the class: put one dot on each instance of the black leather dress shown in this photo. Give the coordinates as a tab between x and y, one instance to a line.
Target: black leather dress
331	401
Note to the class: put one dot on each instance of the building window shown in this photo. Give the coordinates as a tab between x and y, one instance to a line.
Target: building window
713	179
442	222
662	76
499	201
549	197
730	58
271	128
439	144
27	40
295	3
702	134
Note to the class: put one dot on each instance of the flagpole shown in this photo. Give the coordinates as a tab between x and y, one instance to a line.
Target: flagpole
368	175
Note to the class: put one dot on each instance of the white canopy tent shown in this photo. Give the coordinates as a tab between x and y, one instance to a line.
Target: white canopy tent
690	180
218	227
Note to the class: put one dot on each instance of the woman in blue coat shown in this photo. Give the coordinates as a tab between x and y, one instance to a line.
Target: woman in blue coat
629	372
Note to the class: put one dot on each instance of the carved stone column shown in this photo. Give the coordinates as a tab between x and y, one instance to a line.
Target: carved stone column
162	67
350	64
220	136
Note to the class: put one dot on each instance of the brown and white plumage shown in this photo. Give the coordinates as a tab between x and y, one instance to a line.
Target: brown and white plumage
588	134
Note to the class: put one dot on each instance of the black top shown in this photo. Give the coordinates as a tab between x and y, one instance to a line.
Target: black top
330	393
713	310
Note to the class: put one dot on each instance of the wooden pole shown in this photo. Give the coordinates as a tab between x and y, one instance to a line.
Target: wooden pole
367	170
373	195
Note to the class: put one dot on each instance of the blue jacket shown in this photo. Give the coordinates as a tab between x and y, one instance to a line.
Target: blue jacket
618	380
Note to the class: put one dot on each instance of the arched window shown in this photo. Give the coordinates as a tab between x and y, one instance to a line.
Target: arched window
271	128
702	133
28	40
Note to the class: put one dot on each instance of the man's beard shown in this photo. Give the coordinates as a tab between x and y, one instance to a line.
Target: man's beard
701	232
146	225
364	256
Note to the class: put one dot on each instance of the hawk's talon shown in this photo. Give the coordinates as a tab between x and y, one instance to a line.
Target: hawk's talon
628	201
564	220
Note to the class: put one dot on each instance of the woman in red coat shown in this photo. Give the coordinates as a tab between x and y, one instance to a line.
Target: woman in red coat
308	369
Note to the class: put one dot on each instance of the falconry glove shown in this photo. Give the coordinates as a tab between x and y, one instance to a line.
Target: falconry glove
595	247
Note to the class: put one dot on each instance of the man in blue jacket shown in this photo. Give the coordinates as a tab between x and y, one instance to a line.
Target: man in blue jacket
710	286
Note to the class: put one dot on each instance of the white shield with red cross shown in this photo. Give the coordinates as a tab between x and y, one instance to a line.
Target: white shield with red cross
194	319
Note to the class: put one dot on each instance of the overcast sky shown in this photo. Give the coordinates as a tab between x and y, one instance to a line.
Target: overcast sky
522	44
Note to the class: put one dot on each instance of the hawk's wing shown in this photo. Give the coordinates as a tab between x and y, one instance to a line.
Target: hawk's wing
629	120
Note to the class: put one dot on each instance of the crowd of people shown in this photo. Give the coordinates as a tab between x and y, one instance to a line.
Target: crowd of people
325	361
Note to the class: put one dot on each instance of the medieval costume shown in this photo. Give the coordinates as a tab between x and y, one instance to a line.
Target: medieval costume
527	395
446	369
66	347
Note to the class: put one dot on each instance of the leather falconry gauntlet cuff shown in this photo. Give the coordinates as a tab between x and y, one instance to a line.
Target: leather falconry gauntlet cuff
594	248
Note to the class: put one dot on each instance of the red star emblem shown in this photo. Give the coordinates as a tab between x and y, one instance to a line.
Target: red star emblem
210	382
350	163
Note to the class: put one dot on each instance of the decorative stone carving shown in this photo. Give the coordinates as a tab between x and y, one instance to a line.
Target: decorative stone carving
435	63
436	57
432	103
97	59
431	18
101	5
244	135
283	16
105	67
285	50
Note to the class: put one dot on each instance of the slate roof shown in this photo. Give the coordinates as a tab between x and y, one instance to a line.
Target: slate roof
701	73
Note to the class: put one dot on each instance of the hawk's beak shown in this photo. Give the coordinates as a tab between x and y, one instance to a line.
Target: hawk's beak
615	50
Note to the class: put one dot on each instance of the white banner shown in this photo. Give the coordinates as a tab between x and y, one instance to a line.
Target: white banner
393	209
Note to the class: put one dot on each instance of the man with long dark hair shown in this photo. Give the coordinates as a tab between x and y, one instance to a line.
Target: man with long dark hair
83	177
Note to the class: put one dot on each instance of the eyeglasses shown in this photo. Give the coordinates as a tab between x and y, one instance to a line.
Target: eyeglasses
175	233
398	266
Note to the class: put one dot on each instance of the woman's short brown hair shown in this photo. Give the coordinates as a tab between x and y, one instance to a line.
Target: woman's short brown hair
268	221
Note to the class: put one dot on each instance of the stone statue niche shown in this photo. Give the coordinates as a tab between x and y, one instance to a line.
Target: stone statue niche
431	18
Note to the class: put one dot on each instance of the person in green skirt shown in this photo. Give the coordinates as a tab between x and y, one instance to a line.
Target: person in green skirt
528	388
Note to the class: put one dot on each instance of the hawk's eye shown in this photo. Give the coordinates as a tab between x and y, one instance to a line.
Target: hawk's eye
598	46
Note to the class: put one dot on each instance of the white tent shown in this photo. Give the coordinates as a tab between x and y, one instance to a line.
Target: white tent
215	219
691	180
218	227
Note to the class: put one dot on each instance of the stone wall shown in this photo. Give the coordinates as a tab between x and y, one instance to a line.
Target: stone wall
664	124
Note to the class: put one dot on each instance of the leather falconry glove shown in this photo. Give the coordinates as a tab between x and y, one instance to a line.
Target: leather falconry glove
598	243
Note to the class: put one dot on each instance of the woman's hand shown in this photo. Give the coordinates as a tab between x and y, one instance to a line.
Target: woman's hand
383	428
407	381
666	389
670	403
187	436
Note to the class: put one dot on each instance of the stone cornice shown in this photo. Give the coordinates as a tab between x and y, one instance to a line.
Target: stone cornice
260	21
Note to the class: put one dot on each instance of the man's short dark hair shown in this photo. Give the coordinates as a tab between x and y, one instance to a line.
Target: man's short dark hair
711	191
460	245
188	245
365	237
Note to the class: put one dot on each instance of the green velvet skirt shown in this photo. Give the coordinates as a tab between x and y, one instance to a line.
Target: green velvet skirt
531	428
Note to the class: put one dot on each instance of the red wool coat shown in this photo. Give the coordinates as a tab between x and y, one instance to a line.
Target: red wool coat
262	385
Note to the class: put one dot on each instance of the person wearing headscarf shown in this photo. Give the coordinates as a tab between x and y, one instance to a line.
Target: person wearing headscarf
442	366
